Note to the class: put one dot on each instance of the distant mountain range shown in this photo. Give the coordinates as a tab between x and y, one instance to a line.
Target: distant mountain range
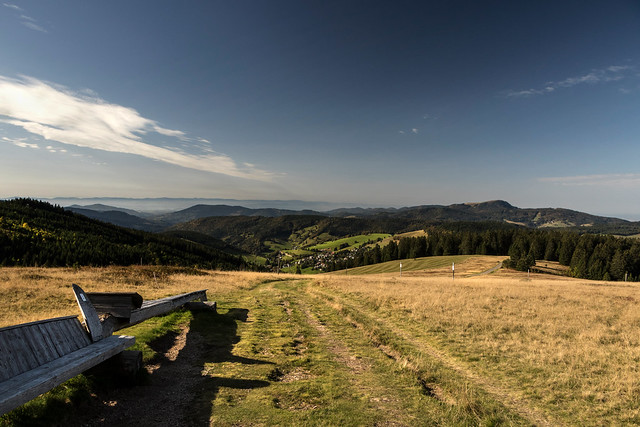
497	211
166	205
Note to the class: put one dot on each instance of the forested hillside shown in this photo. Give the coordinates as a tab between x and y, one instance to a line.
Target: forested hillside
34	233
251	233
588	256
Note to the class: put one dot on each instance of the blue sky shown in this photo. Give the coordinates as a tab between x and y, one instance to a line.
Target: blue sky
356	102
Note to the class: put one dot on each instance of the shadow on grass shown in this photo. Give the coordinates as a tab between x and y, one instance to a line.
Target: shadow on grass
219	336
175	392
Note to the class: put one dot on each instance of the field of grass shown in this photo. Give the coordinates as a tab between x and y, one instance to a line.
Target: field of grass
352	242
373	349
409	265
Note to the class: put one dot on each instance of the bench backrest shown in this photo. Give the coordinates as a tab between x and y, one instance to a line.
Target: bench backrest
29	345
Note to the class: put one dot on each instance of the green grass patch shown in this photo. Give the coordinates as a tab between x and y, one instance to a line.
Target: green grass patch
255	259
155	329
277	246
53	407
300	252
350	242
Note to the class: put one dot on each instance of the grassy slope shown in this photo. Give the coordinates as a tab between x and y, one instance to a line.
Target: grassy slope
320	350
416	264
353	242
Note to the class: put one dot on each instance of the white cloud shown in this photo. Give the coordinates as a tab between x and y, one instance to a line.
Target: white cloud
414	130
20	142
57	114
26	20
606	180
32	25
12	6
609	74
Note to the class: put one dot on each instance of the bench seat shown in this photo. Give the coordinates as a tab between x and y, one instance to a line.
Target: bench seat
37	356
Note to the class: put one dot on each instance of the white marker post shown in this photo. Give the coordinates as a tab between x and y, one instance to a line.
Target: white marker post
453	271
400	269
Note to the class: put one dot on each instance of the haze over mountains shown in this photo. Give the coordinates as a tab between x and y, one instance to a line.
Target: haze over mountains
497	210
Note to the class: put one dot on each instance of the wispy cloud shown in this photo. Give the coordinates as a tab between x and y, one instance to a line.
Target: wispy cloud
609	74
58	114
605	180
415	131
13	6
20	142
26	20
32	25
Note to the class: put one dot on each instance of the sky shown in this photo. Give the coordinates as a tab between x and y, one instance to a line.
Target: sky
372	103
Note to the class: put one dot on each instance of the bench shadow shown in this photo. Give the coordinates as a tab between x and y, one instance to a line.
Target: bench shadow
219	336
177	391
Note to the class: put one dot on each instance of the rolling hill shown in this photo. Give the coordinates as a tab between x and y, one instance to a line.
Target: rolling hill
34	233
495	211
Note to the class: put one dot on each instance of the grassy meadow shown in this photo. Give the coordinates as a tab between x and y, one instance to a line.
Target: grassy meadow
358	349
352	242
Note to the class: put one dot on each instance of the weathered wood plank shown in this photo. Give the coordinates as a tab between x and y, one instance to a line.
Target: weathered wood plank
27	346
36	346
16	346
74	335
37	322
30	358
24	387
82	337
48	342
118	304
89	314
153	308
55	331
8	365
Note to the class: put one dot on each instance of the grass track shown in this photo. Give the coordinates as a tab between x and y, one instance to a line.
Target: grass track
322	370
447	377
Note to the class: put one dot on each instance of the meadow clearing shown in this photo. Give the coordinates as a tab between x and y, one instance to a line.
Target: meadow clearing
347	349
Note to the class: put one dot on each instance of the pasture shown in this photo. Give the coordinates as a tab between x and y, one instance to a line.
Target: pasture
352	242
366	349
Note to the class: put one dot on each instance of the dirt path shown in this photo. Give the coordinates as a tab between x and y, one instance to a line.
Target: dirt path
164	401
489	271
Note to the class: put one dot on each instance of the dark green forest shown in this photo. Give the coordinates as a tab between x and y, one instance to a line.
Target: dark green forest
588	256
35	233
249	233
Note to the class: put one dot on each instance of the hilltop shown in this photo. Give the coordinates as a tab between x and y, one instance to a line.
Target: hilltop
35	233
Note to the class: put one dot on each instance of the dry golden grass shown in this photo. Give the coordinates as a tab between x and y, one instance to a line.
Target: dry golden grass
571	345
568	347
30	294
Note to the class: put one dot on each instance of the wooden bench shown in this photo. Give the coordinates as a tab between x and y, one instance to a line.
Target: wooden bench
107	312
37	356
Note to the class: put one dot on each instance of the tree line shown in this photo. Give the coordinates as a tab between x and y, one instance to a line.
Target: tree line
588	256
34	233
